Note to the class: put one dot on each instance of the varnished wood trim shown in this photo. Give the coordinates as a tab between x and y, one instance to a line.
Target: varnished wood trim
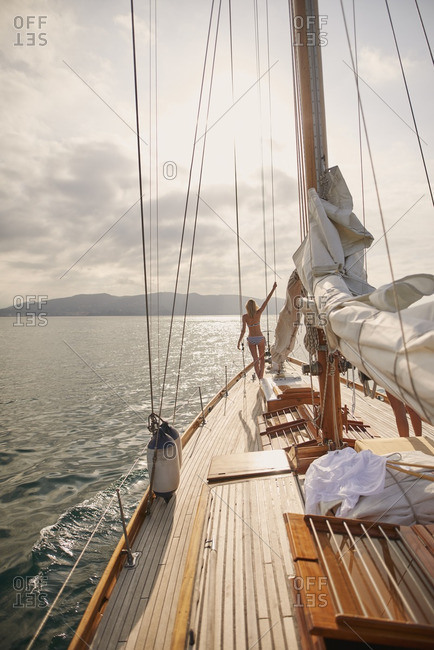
182	620
92	616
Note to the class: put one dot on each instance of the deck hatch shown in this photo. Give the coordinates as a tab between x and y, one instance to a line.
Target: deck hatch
247	465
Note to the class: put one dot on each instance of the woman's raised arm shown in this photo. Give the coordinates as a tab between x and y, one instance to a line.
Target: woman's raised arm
265	303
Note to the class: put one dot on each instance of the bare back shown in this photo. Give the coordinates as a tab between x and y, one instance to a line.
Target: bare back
254	323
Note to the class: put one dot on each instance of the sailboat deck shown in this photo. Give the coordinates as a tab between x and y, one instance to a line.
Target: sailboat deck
141	611
248	554
252	602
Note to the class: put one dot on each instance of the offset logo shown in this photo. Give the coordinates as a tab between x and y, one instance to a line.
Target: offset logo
29	31
28	592
170	170
314	26
33	316
315	589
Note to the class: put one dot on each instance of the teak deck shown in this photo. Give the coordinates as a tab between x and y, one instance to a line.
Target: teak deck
215	562
243	591
141	611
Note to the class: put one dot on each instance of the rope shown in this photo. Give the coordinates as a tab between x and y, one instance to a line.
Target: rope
327	371
405	464
312	346
142	216
386	241
410	103
353	400
417	474
404	492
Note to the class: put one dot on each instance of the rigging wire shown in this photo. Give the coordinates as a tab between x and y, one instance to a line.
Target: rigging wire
264	230
154	160
380	209
270	114
424	31
237	219
145	257
301	185
186	204
359	123
193	241
303	220
123	480
150	158
142	216
410	103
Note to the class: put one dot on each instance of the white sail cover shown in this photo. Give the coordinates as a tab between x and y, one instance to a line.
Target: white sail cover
362	485
376	330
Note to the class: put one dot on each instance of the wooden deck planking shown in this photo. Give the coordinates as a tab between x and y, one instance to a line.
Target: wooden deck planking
239	558
131	583
279	576
163	597
250	568
157	632
252	565
133	622
378	415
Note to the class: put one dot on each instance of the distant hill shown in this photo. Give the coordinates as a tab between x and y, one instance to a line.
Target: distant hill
103	304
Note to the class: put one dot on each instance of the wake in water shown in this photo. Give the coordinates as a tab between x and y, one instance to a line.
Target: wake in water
37	584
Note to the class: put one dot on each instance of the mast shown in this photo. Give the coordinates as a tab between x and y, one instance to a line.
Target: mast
307	39
308	63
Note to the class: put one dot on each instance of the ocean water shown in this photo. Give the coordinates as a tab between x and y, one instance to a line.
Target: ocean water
74	399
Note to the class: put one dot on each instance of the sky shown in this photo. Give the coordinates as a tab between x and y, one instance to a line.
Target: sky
70	209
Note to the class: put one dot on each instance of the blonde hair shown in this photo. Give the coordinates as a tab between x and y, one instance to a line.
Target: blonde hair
251	307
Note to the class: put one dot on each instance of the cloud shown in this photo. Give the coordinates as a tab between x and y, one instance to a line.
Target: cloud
141	28
68	174
377	67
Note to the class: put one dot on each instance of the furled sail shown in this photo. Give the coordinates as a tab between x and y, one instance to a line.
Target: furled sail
376	330
285	334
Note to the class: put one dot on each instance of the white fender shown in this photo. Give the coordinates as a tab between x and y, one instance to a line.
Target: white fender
167	471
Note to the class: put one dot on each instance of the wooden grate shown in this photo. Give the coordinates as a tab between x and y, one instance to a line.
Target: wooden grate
364	581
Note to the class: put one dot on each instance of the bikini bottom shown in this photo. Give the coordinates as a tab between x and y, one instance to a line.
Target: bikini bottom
255	340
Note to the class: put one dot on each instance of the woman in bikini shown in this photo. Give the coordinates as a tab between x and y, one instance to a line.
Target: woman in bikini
256	339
